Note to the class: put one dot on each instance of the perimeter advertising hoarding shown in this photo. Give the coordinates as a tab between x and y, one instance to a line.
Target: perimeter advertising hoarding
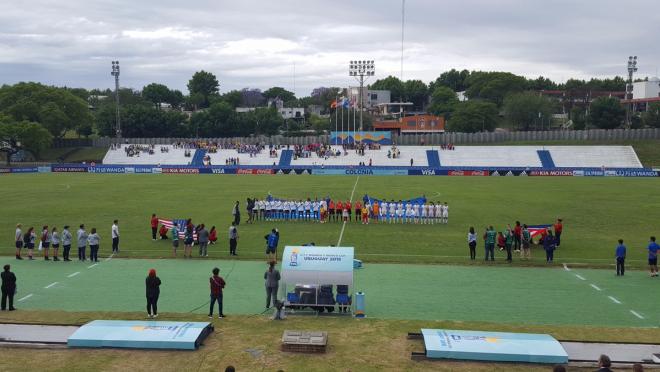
557	172
317	265
180	170
254	171
360	172
469	173
69	168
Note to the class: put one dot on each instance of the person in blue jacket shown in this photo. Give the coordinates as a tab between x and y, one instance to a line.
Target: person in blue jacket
620	255
549	246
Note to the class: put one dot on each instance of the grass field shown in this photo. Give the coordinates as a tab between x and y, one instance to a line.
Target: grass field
530	296
596	211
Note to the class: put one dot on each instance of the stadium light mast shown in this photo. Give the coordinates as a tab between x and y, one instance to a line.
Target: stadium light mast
359	70
632	68
115	73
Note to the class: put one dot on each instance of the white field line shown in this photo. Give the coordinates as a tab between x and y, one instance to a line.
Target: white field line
614	300
580	277
110	257
566	268
74	274
343	226
50	285
89	267
25	297
595	287
633	312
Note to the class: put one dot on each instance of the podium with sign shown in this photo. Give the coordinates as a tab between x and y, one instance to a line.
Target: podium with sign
318	278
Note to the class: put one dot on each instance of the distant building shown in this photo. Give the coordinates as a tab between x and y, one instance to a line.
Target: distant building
644	93
292	112
372	98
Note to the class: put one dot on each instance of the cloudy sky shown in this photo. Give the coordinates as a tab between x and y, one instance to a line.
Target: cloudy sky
256	44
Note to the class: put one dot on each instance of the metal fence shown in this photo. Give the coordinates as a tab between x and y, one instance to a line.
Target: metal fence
593	135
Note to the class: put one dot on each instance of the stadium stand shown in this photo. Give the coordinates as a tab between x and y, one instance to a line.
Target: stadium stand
422	156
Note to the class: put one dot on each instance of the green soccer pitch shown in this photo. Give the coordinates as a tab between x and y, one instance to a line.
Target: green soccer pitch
521	296
596	212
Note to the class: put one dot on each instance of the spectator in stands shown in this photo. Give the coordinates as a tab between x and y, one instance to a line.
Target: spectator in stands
272	278
549	246
604	363
653	248
558	229
163	232
620	255
411	162
152	284
216	284
154	226
8	288
472	243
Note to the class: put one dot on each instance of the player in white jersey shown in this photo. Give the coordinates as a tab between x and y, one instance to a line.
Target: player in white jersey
416	209
267	208
383	210
436	212
445	213
392	212
308	209
301	209
425	213
399	212
315	210
410	213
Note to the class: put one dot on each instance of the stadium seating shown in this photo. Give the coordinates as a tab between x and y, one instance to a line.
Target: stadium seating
459	157
172	156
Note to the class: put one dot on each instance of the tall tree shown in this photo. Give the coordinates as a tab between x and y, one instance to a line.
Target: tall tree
494	86
281	93
234	98
23	134
156	94
204	84
443	101
453	79
474	116
393	84
417	93
651	117
606	113
524	111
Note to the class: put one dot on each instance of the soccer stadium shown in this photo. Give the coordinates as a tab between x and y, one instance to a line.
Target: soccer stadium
479	221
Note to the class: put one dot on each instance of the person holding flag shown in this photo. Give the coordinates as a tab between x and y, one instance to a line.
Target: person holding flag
175	238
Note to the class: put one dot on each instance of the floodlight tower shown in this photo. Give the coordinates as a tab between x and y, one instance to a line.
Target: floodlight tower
360	70
632	68
115	73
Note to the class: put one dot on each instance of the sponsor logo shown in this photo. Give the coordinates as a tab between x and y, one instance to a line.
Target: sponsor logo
468	173
218	171
551	173
107	170
5	170
474	338
180	170
578	173
69	169
359	171
156	170
428	172
254	171
636	173
523	174
293	261
43	169
509	174
496	174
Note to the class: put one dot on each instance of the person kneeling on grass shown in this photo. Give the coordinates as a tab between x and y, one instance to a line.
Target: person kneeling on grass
163	232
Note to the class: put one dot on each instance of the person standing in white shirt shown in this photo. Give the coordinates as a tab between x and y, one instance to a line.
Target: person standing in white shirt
445	213
115	236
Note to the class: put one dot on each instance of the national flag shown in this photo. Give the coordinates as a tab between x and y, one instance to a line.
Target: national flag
345	102
535	230
334	104
181	225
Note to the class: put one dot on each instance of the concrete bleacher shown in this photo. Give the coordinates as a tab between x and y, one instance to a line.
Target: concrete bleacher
461	156
173	156
378	158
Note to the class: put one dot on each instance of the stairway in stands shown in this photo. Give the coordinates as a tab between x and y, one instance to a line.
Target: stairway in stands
433	158
546	159
198	158
285	158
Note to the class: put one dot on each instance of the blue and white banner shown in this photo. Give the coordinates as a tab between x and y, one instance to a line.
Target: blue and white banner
317	265
360	172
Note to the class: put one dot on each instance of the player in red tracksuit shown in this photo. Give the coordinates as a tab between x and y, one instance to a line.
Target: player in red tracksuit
154	226
358	211
331	210
339	207
348	206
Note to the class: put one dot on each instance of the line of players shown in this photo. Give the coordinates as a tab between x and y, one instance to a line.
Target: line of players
328	210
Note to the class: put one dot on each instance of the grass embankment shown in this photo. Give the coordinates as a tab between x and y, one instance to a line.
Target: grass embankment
252	343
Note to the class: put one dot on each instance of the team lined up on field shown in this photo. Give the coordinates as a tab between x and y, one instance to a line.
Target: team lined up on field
328	210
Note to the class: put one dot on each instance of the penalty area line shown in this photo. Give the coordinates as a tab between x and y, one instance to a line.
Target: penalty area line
633	312
74	274
50	285
24	298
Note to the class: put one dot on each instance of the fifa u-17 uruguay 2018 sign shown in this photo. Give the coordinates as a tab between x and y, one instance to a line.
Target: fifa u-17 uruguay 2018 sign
317	265
339	138
493	346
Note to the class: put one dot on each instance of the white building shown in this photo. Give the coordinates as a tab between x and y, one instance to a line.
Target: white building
647	89
292	112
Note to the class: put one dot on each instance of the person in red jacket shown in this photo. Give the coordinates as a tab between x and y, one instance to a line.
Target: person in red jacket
339	208
331	210
348	206
558	228
358	211
163	232
213	235
154	226
501	242
217	284
517	236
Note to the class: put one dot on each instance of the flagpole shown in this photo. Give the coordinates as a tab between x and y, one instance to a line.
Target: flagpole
336	118
342	119
354	127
